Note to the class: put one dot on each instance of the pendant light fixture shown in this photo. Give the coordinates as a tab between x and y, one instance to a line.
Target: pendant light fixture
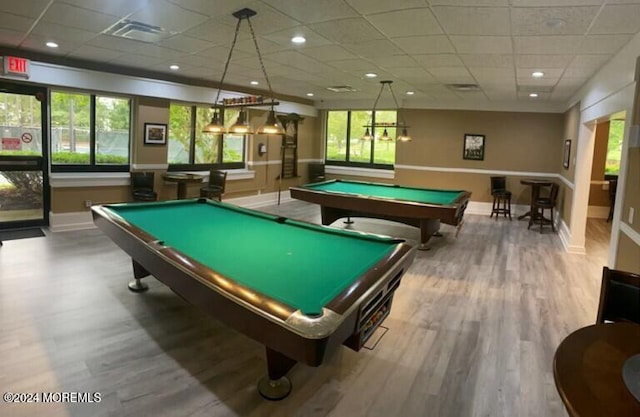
369	134
242	126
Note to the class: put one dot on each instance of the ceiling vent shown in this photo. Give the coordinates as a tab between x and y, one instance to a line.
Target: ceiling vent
464	87
341	89
138	31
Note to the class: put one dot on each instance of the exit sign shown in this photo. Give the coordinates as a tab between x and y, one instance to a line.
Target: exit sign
13	65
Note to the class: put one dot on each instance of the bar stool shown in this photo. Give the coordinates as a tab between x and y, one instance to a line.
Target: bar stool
501	197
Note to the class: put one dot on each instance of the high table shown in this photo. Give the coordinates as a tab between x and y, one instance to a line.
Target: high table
300	289
535	185
183	180
587	368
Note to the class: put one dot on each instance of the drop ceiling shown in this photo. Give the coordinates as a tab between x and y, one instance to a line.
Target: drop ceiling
423	46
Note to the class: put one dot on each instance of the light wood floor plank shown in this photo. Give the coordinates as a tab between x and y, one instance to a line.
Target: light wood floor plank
472	331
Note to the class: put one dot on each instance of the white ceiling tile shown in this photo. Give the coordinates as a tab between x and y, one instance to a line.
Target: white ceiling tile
366	7
414	22
375	50
28	8
134	61
452	75
542	61
493	75
62	34
602	44
214	32
552	74
547	44
76	17
398	61
537	82
283	37
487	60
352	64
94	53
351	30
10	37
185	44
313	11
554	3
615	19
472	3
412	74
482	44
329	53
552	20
416	45
438	60
206	7
16	23
585	65
38	43
474	21
112	7
169	17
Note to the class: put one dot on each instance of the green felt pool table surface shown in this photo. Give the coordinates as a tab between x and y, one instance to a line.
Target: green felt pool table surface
421	195
299	264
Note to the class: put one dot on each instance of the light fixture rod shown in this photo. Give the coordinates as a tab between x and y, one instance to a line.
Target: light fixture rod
226	64
248	13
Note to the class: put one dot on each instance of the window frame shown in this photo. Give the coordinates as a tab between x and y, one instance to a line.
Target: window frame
91	166
191	165
347	162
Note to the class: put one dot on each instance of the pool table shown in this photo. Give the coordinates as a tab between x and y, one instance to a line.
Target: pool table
300	289
419	207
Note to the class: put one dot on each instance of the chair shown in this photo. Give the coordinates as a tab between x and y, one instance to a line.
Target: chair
216	185
619	296
541	204
316	172
142	184
501	197
613	187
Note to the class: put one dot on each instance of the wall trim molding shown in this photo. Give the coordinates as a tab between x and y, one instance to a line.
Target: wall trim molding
598	212
145	167
360	172
632	234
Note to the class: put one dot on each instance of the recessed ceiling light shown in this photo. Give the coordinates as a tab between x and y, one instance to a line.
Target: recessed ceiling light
371	75
410	93
254	83
52	44
174	67
537	74
533	95
298	39
555	23
310	94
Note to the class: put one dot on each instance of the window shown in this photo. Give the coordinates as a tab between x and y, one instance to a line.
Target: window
345	145
89	132
189	148
614	147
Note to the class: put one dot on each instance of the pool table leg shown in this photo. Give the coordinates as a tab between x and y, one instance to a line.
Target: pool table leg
276	386
428	228
138	272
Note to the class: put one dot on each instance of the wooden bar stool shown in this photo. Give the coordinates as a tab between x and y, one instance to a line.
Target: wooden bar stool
501	197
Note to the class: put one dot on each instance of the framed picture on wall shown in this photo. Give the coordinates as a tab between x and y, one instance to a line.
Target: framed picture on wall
155	134
567	153
473	147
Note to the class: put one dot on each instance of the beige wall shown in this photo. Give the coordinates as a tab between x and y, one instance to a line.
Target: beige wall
628	255
571	129
530	142
153	110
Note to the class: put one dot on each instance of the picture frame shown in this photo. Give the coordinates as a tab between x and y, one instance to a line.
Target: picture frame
473	147
566	154
155	134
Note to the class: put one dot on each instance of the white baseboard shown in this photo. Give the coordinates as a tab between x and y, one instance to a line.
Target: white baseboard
66	222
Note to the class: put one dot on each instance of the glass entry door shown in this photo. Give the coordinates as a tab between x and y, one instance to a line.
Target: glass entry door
24	185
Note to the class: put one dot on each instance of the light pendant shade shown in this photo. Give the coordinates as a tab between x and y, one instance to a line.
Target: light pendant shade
241	126
385	136
367	135
215	126
404	136
272	126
